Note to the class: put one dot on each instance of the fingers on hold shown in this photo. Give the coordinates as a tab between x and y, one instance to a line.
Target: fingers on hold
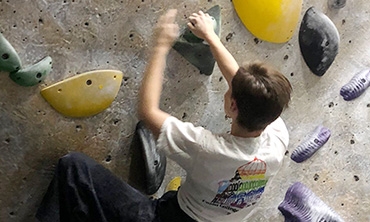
193	21
190	25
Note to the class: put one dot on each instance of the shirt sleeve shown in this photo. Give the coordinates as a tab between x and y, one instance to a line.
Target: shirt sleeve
276	145
278	129
180	140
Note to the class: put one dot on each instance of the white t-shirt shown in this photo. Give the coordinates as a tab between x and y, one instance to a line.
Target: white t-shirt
226	175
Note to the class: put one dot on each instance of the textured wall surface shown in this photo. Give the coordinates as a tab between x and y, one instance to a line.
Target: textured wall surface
85	35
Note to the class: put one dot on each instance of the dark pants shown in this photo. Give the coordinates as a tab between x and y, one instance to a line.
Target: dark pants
83	190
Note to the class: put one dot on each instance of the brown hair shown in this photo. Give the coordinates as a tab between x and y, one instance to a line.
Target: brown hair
261	94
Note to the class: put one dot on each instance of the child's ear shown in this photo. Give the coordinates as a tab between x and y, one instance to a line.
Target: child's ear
233	106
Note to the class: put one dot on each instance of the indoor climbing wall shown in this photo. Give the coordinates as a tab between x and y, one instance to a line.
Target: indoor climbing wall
79	36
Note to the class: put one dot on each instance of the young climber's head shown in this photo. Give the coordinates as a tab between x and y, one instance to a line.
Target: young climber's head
260	94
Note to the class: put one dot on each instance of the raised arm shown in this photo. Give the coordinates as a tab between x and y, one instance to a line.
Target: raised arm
201	25
165	33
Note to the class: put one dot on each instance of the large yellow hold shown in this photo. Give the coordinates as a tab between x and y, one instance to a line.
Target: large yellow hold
270	20
85	94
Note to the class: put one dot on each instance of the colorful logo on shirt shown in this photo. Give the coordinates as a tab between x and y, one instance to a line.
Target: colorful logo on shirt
244	189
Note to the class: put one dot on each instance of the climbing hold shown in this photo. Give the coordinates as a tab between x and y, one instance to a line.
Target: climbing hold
191	38
154	159
195	50
270	20
85	94
301	204
336	4
9	59
356	86
34	74
309	146
174	184
318	41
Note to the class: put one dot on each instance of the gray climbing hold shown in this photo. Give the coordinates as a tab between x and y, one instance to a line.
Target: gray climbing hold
153	161
195	50
309	146
356	86
9	59
318	41
34	74
301	204
336	4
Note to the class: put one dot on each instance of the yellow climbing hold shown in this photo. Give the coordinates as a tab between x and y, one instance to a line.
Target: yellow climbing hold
174	184
269	20
85	94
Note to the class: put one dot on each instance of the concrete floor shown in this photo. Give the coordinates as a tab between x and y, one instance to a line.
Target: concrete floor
87	35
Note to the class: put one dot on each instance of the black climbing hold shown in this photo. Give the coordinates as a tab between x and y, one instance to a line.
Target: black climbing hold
34	74
9	59
318	41
336	4
356	86
309	146
301	204
195	50
154	160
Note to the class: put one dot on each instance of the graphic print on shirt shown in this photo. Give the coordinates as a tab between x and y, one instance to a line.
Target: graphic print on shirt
242	190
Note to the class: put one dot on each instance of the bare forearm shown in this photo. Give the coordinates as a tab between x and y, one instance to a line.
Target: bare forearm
225	61
165	33
151	86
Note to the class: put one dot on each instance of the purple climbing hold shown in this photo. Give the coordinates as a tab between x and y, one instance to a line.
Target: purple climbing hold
356	86
309	146
301	204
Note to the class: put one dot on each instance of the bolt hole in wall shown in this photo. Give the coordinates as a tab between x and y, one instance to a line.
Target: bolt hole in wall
7	141
78	128
108	158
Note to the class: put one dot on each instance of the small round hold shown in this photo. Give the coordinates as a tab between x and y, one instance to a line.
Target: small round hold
336	4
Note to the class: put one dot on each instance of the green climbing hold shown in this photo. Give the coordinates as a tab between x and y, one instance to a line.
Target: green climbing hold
195	50
191	38
34	74
9	59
